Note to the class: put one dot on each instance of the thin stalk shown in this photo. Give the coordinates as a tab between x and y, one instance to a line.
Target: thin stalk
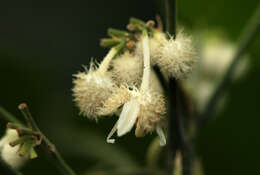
113	52
106	61
48	147
176	131
28	116
9	117
171	16
246	39
173	123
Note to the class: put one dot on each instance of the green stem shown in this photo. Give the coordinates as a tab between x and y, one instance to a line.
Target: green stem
175	130
25	148
117	33
20	140
171	16
9	117
28	116
109	42
177	136
113	52
48	147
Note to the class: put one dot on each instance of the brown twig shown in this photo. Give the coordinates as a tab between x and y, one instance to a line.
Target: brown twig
48	147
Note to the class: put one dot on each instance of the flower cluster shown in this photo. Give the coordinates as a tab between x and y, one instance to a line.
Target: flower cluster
124	84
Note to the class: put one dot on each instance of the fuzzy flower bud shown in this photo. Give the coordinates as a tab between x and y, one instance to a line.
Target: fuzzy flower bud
152	108
10	154
177	56
155	43
127	69
90	90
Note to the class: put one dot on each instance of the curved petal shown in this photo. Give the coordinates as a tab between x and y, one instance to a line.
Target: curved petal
128	117
162	139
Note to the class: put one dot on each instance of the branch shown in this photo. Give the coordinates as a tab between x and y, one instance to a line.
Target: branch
175	130
177	103
171	16
46	144
246	39
48	147
9	117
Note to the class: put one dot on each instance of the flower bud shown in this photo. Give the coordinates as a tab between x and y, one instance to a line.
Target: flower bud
177	56
10	154
127	69
90	90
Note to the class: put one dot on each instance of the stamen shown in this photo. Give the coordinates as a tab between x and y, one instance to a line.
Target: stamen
113	130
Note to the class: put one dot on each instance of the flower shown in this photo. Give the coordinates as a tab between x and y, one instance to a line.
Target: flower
155	43
127	69
90	90
145	109
10	154
152	108
93	87
177	56
142	107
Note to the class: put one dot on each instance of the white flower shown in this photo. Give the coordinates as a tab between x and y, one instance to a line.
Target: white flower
10	154
177	56
127	69
155	43
143	107
92	88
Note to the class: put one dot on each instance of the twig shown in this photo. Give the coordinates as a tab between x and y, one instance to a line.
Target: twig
9	117
177	103
247	37
160	77
171	16
46	144
48	147
174	129
173	124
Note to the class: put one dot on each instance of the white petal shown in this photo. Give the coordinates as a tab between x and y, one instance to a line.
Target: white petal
111	134
128	117
162	139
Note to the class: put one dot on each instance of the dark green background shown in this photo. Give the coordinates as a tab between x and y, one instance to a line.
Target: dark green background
42	43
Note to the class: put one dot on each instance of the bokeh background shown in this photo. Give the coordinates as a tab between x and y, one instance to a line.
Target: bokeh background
43	43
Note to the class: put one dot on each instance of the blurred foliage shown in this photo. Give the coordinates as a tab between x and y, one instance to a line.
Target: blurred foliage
44	42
